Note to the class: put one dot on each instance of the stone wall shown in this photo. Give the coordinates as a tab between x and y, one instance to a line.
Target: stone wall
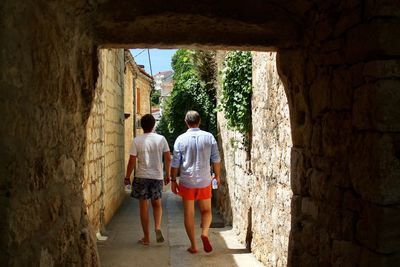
143	89
104	169
337	59
114	63
344	98
129	87
94	166
256	193
47	86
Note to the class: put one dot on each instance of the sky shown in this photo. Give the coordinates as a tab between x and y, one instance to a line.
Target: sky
160	59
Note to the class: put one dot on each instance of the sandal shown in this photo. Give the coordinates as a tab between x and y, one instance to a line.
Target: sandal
142	242
159	236
206	244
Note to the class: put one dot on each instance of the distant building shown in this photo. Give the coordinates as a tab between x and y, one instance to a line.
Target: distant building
163	81
156	113
139	85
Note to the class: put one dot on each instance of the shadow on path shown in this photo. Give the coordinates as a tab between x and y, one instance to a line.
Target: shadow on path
124	230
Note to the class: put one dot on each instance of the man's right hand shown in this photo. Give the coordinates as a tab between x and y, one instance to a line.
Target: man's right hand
174	187
127	181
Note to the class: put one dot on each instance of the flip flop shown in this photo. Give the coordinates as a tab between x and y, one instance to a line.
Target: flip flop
192	251
142	242
159	236
206	244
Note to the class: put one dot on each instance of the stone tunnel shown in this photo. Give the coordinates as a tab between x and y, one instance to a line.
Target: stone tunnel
340	69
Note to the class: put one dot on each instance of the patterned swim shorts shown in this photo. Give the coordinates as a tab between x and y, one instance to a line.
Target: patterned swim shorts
143	188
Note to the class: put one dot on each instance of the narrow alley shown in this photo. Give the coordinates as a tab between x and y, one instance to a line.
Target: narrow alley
122	249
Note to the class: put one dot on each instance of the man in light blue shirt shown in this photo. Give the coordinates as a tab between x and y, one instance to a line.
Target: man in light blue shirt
193	153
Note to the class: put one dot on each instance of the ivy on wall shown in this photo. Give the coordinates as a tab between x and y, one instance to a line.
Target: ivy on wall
235	100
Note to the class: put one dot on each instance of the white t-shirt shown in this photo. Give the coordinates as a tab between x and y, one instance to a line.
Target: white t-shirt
149	149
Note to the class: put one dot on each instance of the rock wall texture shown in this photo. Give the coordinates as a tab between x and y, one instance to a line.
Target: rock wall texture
256	185
113	84
338	60
47	87
143	89
105	158
95	159
129	96
343	97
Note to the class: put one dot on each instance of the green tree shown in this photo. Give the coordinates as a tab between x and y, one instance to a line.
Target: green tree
155	98
193	90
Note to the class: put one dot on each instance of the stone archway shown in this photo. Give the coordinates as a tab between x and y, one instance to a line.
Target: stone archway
339	64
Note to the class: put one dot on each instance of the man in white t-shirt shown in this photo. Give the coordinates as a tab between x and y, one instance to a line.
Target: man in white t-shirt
149	149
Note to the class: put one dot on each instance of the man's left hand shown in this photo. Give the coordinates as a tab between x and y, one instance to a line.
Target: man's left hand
166	180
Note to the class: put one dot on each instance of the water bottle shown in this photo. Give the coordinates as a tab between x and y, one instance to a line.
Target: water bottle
214	184
128	188
127	185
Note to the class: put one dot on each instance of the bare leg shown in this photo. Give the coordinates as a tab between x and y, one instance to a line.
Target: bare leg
157	213
206	215
188	210
144	219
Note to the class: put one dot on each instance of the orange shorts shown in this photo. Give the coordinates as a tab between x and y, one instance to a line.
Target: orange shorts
195	193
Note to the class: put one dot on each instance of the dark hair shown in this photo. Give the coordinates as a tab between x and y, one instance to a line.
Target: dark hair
147	122
192	117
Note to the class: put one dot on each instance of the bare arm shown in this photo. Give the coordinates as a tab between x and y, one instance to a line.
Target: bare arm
130	167
174	173
217	170
174	185
167	166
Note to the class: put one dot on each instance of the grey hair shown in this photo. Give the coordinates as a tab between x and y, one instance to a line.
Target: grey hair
192	117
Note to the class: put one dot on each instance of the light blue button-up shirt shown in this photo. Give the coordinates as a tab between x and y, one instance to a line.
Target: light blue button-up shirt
193	152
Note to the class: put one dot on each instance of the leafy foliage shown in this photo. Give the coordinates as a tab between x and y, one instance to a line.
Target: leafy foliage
237	91
155	98
194	89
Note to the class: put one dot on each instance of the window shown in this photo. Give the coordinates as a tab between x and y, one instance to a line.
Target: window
138	100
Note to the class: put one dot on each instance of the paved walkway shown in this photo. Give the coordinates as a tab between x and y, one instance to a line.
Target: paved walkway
122	249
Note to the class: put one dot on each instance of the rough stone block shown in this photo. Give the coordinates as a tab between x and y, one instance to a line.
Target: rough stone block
290	66
381	8
320	95
295	209
316	139
340	174
322	163
309	237
330	220
345	254
376	106
378	228
342	91
309	207
306	259
336	132
329	58
298	169
351	201
349	18
381	69
372	259
76	212
334	195
376	39
318	184
324	253
375	167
